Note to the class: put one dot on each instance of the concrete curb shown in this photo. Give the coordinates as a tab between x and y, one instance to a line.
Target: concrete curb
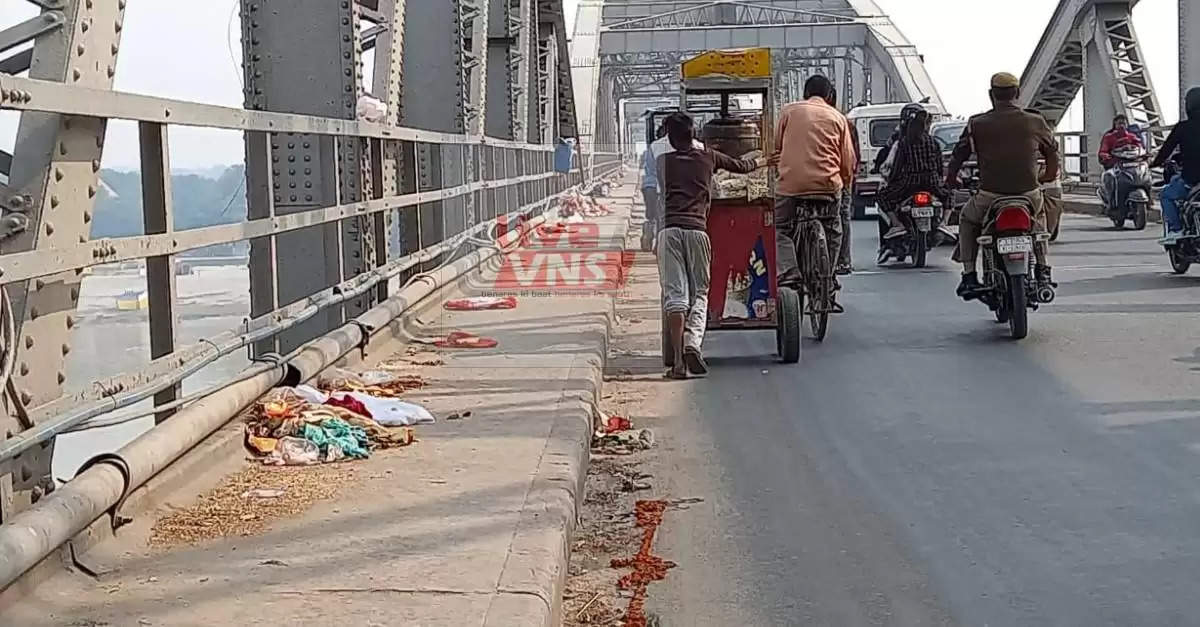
1080	202
534	576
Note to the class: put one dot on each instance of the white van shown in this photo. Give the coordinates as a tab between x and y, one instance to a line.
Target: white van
874	125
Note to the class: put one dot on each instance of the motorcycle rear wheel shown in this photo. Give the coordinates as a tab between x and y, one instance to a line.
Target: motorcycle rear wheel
920	248
1179	265
1118	223
1018	323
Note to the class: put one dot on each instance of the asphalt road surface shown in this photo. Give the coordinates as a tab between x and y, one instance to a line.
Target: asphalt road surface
919	468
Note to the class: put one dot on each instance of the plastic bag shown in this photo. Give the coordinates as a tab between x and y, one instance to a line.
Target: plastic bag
376	377
391	412
295	452
370	109
312	394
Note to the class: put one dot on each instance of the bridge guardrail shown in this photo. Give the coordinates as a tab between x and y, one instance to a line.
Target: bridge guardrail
513	178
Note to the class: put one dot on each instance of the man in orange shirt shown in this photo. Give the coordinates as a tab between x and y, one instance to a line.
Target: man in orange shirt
816	162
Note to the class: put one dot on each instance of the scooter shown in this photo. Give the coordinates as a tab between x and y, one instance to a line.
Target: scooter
1125	194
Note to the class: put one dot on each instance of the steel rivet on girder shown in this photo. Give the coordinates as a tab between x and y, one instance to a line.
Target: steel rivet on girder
54	202
91	191
111	71
24	369
49	229
58	174
79	50
28	342
34	313
26	398
61	377
70	322
89	4
118	25
95	165
87	217
115	48
85	25
66	348
82	240
39	284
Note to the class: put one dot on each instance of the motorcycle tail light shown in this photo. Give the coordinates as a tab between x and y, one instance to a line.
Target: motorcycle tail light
1013	219
923	199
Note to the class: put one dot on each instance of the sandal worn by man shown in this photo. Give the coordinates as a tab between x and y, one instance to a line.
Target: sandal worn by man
694	361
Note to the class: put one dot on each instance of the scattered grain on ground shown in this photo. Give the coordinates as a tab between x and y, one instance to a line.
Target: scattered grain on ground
238	506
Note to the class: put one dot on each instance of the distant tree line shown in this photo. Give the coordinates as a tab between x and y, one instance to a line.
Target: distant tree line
198	201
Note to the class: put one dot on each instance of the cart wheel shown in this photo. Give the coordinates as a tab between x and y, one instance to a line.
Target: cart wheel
787	332
668	351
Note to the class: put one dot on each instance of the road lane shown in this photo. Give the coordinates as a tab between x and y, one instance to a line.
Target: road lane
921	468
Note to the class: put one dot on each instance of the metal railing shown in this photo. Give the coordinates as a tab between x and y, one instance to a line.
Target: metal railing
511	178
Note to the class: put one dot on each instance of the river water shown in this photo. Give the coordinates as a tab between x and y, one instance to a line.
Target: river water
107	342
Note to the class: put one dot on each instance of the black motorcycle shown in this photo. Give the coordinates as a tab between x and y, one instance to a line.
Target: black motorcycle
920	215
1125	192
1186	250
1006	248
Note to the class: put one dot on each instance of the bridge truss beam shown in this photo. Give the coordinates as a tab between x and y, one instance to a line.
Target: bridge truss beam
633	49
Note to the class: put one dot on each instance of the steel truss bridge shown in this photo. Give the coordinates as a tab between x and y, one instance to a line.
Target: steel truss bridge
478	94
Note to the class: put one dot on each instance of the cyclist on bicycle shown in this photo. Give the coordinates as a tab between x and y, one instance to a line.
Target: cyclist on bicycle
816	161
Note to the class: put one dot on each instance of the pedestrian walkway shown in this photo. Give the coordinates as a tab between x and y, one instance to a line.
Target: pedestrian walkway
467	526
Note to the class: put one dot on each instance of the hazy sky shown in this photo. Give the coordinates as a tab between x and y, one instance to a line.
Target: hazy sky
182	49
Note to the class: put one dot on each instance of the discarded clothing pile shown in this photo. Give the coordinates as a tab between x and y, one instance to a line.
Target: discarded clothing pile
304	425
577	204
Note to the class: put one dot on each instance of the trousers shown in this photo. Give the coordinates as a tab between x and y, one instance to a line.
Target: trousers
684	274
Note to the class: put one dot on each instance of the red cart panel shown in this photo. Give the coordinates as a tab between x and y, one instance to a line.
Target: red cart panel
743	290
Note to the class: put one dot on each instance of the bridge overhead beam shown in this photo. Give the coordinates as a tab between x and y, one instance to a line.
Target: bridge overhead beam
873	62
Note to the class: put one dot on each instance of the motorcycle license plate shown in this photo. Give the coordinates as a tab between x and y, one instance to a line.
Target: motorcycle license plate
922	212
1006	245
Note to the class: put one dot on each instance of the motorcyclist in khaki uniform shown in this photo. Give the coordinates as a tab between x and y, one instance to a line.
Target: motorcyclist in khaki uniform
1007	141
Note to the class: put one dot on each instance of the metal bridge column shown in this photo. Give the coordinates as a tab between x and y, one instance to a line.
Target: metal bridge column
1098	109
52	188
1189	49
445	92
303	56
547	70
507	114
395	232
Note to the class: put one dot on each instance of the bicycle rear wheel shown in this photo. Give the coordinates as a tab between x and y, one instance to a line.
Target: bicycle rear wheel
819	279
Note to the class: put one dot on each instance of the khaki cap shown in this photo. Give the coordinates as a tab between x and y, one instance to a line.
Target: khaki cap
1004	80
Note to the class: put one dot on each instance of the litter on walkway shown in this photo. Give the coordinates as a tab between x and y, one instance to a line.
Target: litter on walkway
586	206
481	303
625	442
305	425
464	339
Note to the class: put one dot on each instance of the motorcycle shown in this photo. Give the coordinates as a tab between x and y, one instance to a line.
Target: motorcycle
1006	249
1186	250
920	215
1125	194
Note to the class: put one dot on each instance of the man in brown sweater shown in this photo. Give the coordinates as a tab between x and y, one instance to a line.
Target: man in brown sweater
684	251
